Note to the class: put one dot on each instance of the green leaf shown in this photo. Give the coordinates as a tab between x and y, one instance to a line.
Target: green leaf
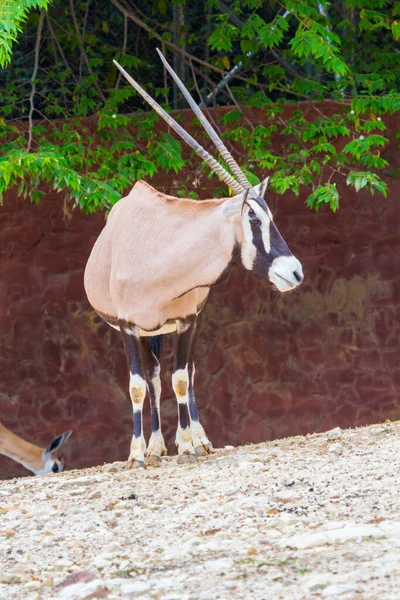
322	195
222	37
367	179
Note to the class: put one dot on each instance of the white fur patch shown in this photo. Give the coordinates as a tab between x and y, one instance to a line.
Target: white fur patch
156	445
137	389
265	224
180	383
133	331
168	328
248	251
138	448
281	272
184	440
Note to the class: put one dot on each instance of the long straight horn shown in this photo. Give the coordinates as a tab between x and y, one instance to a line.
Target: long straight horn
223	150
212	163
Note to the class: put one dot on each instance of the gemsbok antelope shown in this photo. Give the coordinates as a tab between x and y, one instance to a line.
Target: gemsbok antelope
151	270
38	460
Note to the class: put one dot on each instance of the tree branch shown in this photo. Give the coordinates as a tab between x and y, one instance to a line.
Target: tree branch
157	36
83	36
33	79
59	48
85	58
123	48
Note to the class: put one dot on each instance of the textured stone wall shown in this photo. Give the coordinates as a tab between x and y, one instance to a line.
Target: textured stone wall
268	365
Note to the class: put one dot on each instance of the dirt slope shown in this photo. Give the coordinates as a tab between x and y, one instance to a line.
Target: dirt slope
302	518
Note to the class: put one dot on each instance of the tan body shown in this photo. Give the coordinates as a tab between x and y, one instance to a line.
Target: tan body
152	273
34	458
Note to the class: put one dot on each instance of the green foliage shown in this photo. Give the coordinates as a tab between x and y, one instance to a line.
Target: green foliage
13	15
277	53
324	194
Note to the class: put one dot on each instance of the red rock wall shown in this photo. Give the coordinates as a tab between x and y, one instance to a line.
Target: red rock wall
268	365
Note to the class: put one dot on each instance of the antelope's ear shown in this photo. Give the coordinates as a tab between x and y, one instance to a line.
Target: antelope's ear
261	187
57	442
232	208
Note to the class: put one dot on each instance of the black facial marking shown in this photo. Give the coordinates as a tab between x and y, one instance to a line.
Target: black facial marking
55	468
278	246
254	220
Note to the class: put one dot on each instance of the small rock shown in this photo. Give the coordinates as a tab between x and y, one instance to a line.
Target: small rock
79	591
15	576
96	494
76	544
62	563
136	587
10	532
336	449
334	434
32	586
112	467
333	591
378	430
229	447
289	482
103	560
75	577
77	491
306	540
77	481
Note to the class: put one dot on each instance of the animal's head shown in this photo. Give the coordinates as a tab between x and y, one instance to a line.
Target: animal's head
52	460
262	249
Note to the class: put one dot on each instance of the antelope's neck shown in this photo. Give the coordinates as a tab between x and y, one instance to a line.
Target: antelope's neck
26	454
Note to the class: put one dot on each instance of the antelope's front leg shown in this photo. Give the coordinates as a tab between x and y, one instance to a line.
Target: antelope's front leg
137	392
180	384
201	443
190	439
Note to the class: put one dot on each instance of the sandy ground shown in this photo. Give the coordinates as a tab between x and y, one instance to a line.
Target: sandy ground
306	517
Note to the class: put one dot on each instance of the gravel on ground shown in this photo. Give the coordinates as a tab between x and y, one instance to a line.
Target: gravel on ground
300	518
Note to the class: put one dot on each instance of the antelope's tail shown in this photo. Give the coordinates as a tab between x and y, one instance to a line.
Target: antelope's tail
156	343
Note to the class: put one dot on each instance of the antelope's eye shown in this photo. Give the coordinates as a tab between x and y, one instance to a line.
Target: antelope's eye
254	220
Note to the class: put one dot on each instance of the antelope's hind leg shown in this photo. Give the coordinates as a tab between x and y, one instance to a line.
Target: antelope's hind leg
156	448
137	392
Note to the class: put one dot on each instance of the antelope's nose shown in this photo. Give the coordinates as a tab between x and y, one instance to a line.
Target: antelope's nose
298	276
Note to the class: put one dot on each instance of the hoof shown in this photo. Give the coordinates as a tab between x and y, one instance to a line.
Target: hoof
185	459
135	464
153	460
204	449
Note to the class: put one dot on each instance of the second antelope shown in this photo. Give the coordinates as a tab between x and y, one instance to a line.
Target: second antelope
151	270
38	460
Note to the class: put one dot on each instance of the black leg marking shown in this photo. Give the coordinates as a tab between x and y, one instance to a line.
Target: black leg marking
194	415
183	416
137	424
156	447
